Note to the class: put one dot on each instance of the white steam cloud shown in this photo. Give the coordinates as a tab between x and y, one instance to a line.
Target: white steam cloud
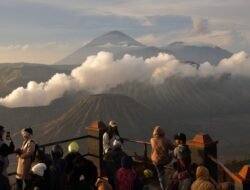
101	71
200	26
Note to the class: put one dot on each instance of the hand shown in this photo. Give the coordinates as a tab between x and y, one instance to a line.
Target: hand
18	151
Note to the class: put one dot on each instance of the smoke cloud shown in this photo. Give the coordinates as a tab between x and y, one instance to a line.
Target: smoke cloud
101	72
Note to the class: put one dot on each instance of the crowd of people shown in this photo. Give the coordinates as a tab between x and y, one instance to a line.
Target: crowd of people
37	170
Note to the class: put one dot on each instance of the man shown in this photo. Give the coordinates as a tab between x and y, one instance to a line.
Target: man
5	150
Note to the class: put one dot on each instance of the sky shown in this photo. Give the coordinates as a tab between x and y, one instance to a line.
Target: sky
45	31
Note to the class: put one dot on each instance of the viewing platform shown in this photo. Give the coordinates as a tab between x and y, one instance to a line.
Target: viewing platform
203	152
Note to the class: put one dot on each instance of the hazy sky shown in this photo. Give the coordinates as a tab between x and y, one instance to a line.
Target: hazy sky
45	31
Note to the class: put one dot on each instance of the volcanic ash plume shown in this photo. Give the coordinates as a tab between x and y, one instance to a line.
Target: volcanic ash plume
101	72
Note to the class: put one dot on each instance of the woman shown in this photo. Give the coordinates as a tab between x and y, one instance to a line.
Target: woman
25	155
109	136
160	155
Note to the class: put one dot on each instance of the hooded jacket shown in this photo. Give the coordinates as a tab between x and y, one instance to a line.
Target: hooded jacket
160	147
203	180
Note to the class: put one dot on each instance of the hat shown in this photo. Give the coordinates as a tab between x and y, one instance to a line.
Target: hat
112	123
73	147
39	169
28	130
180	136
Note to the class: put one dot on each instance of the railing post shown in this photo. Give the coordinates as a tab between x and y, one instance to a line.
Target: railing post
201	146
145	155
94	146
244	182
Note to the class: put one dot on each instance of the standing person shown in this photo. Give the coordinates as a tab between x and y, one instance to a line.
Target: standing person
109	136
25	154
38	180
57	169
182	152
160	154
126	175
5	150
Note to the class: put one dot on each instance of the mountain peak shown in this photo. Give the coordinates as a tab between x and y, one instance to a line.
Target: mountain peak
114	38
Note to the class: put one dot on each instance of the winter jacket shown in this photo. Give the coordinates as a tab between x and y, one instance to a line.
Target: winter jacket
5	150
183	155
125	179
108	142
203	180
160	147
24	159
103	184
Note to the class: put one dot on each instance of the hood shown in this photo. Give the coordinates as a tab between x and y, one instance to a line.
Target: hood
202	172
158	132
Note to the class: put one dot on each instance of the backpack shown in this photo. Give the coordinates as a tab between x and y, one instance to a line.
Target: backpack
37	152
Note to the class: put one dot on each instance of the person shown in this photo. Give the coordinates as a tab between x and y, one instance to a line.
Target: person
103	184
38	180
57	173
126	175
4	181
25	154
113	161
83	174
160	154
182	152
109	136
5	150
203	180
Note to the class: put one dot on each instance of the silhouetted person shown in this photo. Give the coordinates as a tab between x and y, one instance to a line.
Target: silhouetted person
5	150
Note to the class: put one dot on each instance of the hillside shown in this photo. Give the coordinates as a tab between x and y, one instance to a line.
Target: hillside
132	117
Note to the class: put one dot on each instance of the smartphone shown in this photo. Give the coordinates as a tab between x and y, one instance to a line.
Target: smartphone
7	135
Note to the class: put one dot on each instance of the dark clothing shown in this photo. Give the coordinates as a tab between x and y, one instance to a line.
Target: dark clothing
38	183
19	184
57	175
4	183
113	163
5	150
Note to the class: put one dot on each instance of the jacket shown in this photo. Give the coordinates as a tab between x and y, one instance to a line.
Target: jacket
160	147
5	150
203	180
24	159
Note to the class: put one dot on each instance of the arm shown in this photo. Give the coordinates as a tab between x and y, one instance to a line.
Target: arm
6	150
106	145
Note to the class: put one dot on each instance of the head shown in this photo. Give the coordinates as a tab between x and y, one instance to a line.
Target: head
39	169
1	131
26	133
180	138
73	147
158	132
202	173
113	128
127	162
57	151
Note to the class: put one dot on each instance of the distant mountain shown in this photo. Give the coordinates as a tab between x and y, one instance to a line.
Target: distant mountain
198	53
115	42
131	116
13	75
